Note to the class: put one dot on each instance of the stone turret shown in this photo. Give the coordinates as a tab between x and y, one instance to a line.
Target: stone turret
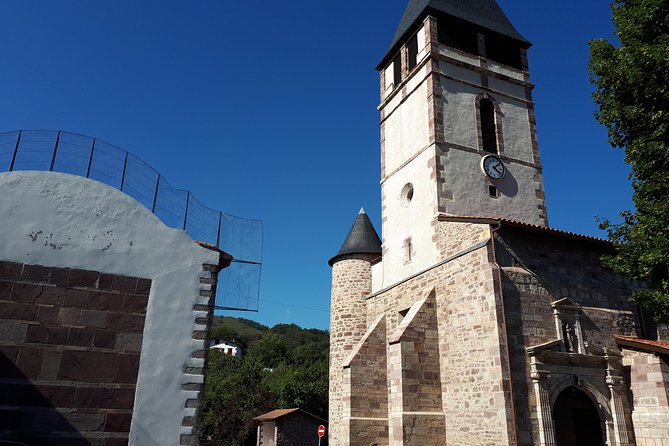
351	284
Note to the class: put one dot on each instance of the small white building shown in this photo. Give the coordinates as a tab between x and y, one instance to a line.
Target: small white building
228	348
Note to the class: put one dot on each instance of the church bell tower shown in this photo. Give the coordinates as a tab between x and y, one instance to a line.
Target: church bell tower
458	133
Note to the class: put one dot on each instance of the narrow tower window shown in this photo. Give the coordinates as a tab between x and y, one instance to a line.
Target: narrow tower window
397	69
488	125
412	52
408	250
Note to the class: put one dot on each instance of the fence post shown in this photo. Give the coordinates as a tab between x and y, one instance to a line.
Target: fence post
125	164
218	235
55	151
155	196
90	160
186	214
16	149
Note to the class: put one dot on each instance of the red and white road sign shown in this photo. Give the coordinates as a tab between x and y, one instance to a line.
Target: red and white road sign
321	430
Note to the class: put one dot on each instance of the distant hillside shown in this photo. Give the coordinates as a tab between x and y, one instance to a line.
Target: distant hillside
245	328
245	332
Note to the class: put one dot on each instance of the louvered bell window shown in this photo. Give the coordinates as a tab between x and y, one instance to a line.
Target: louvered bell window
488	125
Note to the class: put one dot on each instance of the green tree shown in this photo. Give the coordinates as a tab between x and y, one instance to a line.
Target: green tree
285	367
632	95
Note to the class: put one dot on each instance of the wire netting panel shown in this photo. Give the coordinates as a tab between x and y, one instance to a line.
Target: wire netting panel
239	287
140	181
202	223
242	238
35	150
107	164
73	154
239	284
171	205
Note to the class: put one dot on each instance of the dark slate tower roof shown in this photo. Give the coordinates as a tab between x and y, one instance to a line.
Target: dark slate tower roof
361	239
484	13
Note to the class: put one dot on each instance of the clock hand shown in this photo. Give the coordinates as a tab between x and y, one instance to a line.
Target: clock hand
495	166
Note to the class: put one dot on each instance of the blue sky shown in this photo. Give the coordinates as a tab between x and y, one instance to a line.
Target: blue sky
268	110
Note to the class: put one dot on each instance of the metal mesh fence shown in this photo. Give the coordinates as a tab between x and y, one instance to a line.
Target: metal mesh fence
80	155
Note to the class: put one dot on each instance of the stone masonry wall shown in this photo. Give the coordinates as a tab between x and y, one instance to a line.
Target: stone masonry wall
417	409
366	390
650	387
537	270
351	284
70	343
474	383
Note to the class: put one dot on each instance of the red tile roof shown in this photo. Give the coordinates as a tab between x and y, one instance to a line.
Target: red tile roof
644	344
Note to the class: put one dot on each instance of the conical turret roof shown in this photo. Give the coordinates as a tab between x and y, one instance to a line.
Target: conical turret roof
361	239
484	13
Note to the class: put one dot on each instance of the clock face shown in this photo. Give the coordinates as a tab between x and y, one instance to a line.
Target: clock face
493	167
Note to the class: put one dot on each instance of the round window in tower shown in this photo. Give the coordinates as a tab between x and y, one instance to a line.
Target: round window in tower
407	194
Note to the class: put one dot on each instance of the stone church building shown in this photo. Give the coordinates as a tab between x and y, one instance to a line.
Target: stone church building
473	322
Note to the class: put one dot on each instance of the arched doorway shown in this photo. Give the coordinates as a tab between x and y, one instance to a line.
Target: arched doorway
577	421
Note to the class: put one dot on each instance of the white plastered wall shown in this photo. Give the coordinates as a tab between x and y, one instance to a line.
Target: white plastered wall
462	175
412	220
61	220
406	126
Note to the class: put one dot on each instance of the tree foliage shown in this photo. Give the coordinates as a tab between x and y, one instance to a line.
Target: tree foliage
284	367
632	95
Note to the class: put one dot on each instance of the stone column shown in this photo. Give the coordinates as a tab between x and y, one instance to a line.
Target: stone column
544	410
615	383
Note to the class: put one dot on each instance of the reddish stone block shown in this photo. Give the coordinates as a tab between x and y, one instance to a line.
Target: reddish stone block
36	273
40	334
87	366
124	284
98	300
94	319
105	282
13	331
10	270
30	362
103	398
116	442
143	287
18	310
104	339
135	304
129	342
26	293
84	279
50	365
81	337
118	423
37	334
126	322
6	290
69	316
47	314
59	276
50	295
75	298
128	368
